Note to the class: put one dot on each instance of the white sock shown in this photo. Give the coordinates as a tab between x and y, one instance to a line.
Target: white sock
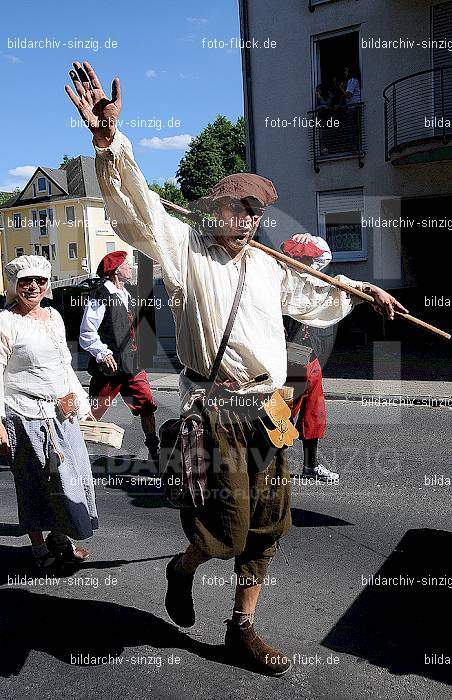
240	618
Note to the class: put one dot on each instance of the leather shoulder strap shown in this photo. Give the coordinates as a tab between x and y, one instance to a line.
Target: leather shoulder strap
230	323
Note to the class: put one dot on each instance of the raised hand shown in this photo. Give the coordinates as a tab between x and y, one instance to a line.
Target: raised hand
99	112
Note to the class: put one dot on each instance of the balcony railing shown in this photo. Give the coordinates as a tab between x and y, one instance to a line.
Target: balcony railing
418	110
343	141
312	4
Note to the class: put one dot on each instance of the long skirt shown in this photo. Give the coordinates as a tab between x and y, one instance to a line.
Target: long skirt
51	496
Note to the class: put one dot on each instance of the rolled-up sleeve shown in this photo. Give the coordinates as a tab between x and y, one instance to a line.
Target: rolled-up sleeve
137	214
89	338
316	305
323	260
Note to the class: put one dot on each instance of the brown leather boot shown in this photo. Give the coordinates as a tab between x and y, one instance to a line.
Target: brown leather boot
179	599
246	647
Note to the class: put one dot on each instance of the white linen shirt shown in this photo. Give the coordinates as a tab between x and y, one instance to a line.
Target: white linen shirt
93	316
35	366
355	91
201	278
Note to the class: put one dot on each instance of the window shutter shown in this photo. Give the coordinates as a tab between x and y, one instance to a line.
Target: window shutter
342	200
441	29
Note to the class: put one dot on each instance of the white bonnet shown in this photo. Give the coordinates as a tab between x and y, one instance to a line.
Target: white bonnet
26	266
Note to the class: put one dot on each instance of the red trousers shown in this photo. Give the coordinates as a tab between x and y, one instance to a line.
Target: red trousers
308	401
135	391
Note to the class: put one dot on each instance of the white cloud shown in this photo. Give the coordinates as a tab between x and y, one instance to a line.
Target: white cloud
197	20
22	171
151	73
12	59
17	177
169	143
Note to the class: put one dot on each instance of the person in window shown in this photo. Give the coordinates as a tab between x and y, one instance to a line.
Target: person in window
323	97
352	92
41	400
351	108
304	372
322	100
107	332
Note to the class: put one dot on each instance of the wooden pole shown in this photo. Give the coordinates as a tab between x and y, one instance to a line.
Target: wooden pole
316	273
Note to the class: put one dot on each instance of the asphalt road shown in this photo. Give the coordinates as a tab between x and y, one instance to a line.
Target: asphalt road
102	632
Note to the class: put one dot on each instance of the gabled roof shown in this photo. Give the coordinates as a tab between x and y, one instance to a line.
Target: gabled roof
75	179
58	176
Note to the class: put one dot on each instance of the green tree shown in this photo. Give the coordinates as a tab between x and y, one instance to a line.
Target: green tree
4	196
170	192
66	160
219	150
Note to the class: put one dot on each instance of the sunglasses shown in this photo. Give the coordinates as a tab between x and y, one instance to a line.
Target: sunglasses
26	281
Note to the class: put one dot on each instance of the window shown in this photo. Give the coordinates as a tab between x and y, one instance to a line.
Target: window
70	215
336	93
45	251
19	252
43	222
107	218
135	258
17	219
53	251
340	214
72	251
110	246
37	249
34	217
42	184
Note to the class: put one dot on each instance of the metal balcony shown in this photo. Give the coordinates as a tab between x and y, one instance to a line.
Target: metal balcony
344	141
418	117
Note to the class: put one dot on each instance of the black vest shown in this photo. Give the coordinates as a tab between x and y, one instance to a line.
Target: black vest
117	331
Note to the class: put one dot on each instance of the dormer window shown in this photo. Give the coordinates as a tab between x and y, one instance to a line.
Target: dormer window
42	184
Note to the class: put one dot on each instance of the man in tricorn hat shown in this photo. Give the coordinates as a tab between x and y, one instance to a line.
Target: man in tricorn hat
107	332
244	516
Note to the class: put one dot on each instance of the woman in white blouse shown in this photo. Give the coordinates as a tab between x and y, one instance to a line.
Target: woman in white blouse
41	400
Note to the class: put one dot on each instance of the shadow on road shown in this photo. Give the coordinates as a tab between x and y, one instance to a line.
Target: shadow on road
309	518
70	630
18	561
138	478
404	624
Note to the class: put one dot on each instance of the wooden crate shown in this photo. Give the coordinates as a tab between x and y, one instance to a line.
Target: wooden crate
105	433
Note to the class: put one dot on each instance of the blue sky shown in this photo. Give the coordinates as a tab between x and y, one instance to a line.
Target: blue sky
165	74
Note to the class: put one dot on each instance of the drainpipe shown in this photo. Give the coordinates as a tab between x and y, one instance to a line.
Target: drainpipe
247	84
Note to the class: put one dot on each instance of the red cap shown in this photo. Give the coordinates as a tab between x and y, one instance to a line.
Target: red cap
301	250
111	262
